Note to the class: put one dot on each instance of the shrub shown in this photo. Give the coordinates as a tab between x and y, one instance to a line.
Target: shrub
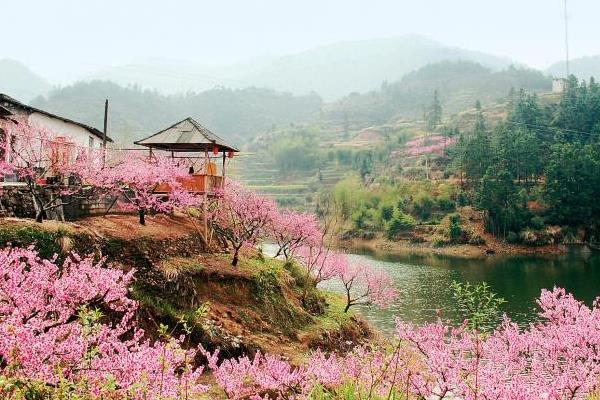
454	228
537	222
475	238
401	205
512	237
400	223
478	304
386	212
438	241
422	205
569	235
462	199
445	203
529	237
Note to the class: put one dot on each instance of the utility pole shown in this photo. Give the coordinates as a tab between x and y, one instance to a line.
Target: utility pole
104	132
567	39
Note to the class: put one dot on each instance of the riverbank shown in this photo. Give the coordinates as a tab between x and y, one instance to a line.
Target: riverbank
424	239
490	248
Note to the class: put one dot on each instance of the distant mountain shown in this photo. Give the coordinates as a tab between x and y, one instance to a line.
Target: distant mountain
19	82
331	71
360	66
236	114
583	68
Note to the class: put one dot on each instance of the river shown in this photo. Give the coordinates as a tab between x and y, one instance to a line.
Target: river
423	282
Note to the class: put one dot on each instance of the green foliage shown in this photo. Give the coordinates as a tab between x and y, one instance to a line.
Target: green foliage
462	199
236	113
386	212
399	223
504	167
537	222
478	304
350	391
434	114
296	150
423	204
445	203
454	228
497	194
528	237
45	242
512	237
573	183
265	283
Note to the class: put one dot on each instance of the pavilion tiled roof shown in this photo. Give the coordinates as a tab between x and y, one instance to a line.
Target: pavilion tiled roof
187	135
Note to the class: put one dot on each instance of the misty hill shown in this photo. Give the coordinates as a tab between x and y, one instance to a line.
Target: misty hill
360	66
134	113
332	71
583	68
20	81
459	85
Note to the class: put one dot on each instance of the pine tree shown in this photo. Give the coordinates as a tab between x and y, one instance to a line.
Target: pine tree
434	114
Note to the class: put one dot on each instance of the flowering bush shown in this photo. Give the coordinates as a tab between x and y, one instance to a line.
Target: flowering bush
55	334
53	328
557	358
428	144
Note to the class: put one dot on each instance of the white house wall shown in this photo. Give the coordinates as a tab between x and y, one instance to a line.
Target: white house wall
75	133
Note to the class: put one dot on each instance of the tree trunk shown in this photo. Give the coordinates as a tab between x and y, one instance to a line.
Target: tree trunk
234	262
142	216
39	208
348	301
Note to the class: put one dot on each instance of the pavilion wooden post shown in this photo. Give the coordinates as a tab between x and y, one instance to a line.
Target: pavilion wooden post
204	203
223	173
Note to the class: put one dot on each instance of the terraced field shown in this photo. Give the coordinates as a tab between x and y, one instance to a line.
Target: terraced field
297	190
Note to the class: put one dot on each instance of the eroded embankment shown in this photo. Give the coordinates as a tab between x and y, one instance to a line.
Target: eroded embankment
260	305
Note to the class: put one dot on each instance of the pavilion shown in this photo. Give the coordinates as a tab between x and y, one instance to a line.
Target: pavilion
190	140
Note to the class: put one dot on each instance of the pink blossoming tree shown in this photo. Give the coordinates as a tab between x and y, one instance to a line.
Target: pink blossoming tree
34	153
136	177
364	284
556	358
243	218
292	230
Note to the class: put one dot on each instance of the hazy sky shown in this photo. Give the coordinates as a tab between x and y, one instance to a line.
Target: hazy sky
66	39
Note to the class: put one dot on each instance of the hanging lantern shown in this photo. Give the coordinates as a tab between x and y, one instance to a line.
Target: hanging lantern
230	154
215	150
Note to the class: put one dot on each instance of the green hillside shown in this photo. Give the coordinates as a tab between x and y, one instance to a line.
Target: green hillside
459	84
134	113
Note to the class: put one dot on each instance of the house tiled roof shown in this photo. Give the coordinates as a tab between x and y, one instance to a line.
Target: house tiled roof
4	112
8	102
187	135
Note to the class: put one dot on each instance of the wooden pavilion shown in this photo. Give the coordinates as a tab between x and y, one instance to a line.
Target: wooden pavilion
190	140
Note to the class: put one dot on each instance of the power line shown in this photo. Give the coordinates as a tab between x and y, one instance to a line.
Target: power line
567	38
551	129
